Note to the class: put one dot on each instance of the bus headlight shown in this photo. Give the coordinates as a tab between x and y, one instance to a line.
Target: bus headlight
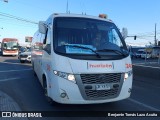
127	74
71	77
64	75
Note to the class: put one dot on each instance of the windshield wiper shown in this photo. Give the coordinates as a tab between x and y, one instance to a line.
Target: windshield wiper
113	50
85	48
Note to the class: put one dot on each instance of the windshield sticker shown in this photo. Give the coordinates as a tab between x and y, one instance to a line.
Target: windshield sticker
71	48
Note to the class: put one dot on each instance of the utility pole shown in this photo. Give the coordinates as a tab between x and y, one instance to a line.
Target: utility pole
155	39
67	7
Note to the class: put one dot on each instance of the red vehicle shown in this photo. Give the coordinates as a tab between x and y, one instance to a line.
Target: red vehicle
9	46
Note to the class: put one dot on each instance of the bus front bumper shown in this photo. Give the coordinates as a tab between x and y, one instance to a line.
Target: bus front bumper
69	93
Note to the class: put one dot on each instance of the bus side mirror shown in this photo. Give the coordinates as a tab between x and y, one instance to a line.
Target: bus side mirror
42	27
124	33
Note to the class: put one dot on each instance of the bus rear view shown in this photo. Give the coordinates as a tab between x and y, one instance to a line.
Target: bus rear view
84	60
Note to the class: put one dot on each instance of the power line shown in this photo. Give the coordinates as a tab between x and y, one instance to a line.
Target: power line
17	18
11	20
5	1
17	24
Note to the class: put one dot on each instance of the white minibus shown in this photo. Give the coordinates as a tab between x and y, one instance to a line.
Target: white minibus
81	59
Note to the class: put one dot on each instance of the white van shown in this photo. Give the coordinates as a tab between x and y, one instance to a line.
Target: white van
139	52
72	69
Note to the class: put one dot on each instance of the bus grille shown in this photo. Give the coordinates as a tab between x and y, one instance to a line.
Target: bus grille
100	78
93	79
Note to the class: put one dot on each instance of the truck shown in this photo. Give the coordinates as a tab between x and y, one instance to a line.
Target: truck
155	52
71	69
9	46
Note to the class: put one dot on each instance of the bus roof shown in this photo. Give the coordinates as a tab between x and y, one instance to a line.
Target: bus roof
79	16
9	39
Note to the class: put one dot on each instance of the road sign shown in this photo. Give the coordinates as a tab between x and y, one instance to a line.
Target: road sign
28	39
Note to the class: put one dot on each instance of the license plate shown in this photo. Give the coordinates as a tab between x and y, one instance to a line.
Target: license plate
23	58
103	87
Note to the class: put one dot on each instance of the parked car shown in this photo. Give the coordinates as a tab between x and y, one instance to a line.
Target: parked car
146	55
25	56
138	53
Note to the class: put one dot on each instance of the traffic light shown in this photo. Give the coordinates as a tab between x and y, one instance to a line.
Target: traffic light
135	37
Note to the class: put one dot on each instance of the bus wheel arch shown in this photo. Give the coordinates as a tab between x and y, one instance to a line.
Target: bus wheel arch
44	84
49	99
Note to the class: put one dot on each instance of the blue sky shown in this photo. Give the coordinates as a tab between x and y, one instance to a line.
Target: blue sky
139	16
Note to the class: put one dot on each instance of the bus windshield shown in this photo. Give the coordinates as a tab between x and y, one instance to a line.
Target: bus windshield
10	45
97	35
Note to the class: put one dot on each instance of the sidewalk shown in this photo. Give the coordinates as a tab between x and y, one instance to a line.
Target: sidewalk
9	105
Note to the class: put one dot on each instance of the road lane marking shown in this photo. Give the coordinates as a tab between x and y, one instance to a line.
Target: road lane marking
146	66
16	70
15	63
142	104
2	80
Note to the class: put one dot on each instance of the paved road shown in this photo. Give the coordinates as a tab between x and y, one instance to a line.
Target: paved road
145	61
17	81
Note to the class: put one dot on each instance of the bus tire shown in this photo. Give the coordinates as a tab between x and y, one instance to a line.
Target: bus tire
49	100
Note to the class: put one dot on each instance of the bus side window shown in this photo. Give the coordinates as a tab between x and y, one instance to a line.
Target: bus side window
47	42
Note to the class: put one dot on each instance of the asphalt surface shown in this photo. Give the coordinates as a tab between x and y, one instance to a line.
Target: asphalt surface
18	81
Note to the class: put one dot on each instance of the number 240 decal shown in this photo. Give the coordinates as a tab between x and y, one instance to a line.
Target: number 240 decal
128	65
